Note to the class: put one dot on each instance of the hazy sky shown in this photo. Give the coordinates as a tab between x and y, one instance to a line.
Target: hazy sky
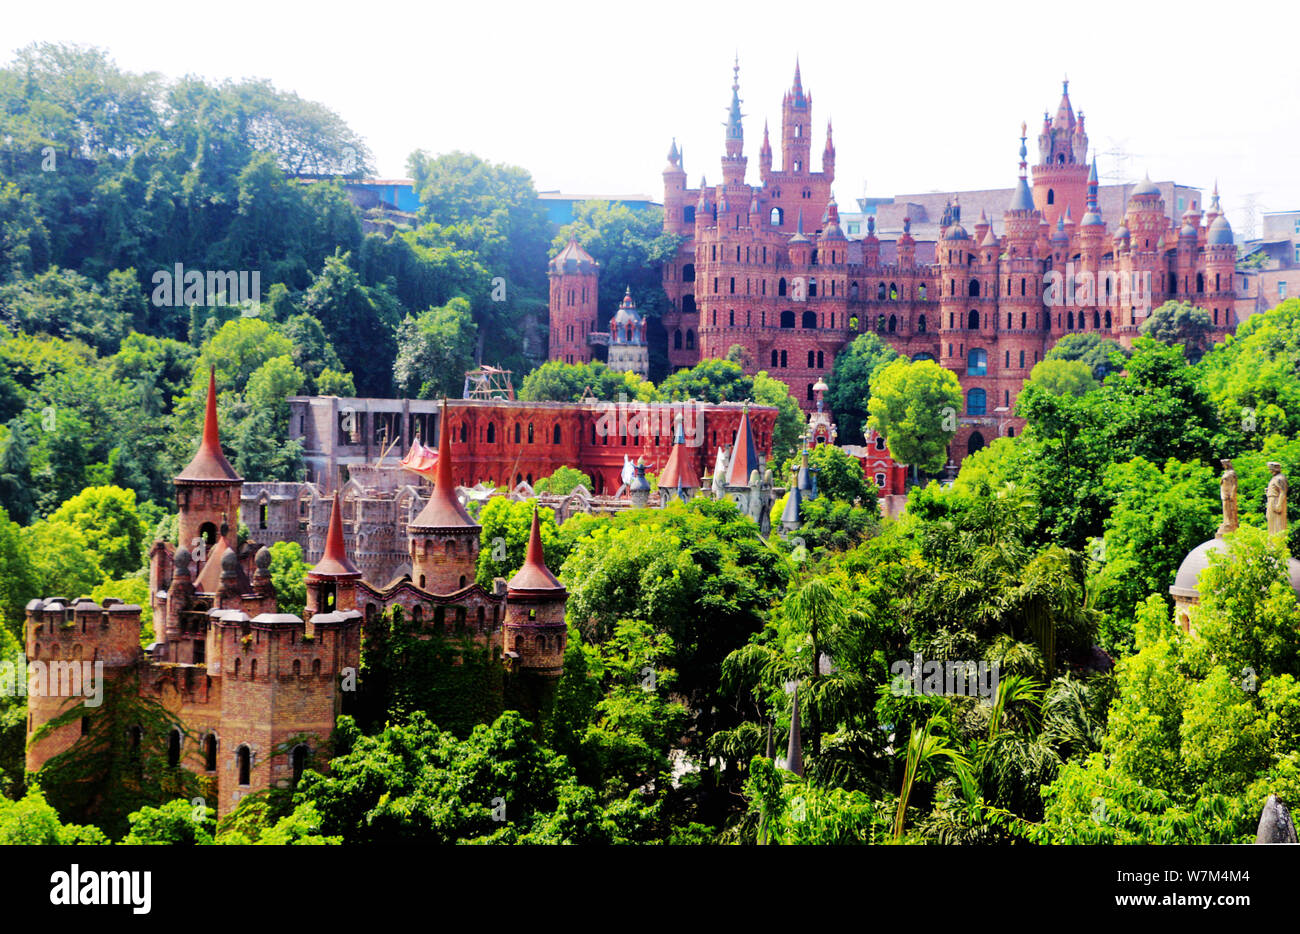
587	96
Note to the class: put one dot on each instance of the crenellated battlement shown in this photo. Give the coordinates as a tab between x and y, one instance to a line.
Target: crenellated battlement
81	629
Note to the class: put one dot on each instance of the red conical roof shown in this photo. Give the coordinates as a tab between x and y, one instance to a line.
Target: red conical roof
443	510
534	576
209	463
335	561
744	455
680	471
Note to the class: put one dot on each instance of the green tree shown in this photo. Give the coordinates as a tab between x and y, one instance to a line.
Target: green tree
562	482
915	406
849	388
1180	324
788	431
288	575
435	350
1062	377
1090	348
109	521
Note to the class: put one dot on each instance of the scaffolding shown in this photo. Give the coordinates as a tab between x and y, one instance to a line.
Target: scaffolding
488	382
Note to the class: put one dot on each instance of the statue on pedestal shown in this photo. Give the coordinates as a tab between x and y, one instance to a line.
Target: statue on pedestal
1228	493
1276	494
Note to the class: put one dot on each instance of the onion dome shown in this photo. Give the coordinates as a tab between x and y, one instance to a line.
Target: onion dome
573	259
1188	229
443	510
209	463
1122	234
1146	189
1220	233
639	484
674	157
832	230
534	578
956	232
1091	219
335	561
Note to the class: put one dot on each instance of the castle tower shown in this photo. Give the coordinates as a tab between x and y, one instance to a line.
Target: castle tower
573	274
208	489
676	199
534	622
679	477
796	128
628	350
331	584
1220	264
1061	176
444	540
733	159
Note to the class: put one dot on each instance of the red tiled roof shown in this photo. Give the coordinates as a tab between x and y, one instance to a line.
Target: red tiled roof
335	561
534	575
744	456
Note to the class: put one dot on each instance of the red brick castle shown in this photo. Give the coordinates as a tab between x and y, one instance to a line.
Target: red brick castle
768	267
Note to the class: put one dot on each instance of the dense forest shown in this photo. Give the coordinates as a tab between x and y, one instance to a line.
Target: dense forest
692	641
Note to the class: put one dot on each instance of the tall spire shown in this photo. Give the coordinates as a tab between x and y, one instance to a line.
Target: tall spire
794	750
534	575
209	463
1023	199
335	561
744	455
798	82
443	510
734	128
1064	111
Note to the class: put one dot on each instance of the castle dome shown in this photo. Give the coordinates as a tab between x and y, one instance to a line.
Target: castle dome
572	259
1220	233
1146	189
1198	559
956	232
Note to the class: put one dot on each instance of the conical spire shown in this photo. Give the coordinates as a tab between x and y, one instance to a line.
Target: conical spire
674	157
534	576
794	751
1023	199
1064	112
734	128
335	561
798	81
443	510
744	455
209	463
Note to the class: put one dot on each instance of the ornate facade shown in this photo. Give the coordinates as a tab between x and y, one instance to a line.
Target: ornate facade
768	267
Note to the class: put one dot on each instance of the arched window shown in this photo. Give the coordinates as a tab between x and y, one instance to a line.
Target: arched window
774	358
853	291
298	760
811	359
1069	321
174	748
555	432
880	292
787	319
893	323
677	339
977	362
1200	282
690	339
777	217
530	432
464	433
920	324
920	292
976	403
517	430
243	763
973	290
688	272
973	320
210	752
821	360
491	433
780	286
783	359
1051	196
808	319
893	292
975	443
688	304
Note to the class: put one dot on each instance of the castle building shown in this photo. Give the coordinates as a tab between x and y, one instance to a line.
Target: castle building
574	277
628	350
255	692
768	267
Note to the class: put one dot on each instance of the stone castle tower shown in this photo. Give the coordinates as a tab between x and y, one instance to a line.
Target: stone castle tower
255	692
573	275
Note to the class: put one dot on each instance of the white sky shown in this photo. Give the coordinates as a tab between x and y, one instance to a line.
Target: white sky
587	95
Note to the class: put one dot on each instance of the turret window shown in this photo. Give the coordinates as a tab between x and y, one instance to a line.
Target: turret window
244	764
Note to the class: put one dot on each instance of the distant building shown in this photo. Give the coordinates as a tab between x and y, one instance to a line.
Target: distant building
560	206
1272	262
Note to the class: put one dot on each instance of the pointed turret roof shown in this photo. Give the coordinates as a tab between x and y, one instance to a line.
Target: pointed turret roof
679	473
573	258
1023	199
534	577
210	578
335	561
444	510
209	463
735	130
1064	112
744	455
798	236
